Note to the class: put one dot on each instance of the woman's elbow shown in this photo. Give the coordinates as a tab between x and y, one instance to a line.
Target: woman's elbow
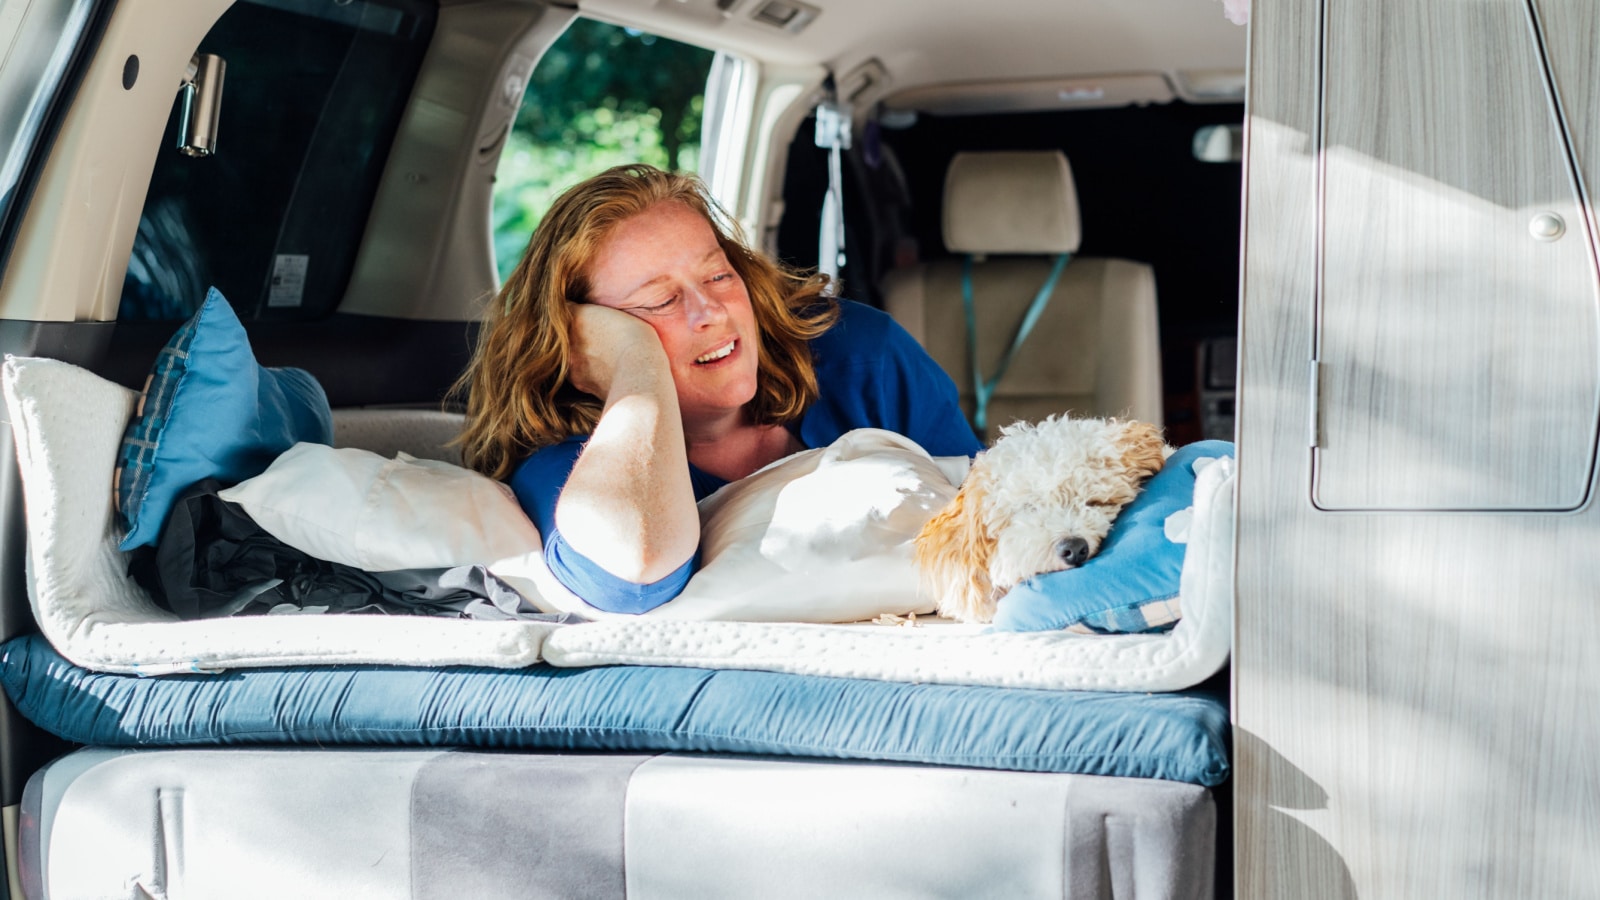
635	554
646	567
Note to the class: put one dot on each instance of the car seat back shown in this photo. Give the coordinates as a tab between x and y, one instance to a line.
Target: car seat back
1093	345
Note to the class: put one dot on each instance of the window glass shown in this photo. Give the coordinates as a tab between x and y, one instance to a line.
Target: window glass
312	94
601	96
38	42
1219	143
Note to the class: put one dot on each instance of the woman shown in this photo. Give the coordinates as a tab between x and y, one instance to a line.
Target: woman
640	357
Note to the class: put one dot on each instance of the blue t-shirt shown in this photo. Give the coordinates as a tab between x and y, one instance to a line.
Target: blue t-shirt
871	373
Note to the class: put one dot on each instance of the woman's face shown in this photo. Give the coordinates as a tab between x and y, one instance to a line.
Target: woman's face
665	266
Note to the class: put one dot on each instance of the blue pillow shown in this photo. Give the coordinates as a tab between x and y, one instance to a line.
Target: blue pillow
210	411
1124	588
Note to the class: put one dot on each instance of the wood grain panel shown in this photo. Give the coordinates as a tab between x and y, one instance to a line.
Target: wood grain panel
1448	332
1414	694
1275	856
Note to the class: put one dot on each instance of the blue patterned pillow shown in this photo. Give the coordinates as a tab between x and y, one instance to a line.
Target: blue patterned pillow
1130	585
210	411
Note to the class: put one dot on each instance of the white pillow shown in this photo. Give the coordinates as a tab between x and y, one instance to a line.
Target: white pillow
355	507
824	535
868	494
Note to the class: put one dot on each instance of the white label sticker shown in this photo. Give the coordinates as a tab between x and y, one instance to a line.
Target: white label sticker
288	279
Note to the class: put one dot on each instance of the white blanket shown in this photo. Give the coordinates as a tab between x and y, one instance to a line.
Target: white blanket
1196	648
68	424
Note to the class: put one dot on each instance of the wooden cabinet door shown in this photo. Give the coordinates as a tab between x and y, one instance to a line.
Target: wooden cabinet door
1457	307
1417	656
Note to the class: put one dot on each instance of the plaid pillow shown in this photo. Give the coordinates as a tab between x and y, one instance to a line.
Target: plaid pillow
136	462
209	411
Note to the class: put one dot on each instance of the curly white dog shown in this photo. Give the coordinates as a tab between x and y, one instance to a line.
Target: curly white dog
1040	500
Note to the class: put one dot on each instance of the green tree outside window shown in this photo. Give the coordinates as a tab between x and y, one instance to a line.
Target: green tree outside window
601	96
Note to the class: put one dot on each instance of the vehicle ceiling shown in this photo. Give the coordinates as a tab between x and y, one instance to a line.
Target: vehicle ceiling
924	42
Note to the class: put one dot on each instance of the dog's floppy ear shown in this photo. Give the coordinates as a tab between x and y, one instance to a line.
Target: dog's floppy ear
952	553
1143	450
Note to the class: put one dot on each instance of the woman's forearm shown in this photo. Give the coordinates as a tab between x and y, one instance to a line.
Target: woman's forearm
628	505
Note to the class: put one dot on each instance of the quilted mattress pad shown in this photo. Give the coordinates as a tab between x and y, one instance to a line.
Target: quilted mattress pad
68	423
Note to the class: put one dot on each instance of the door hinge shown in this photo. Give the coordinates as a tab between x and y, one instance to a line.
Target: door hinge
1314	429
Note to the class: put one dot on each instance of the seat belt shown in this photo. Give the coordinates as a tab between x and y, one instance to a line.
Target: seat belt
833	135
983	389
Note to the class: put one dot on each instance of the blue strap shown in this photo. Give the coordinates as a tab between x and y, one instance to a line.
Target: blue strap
982	390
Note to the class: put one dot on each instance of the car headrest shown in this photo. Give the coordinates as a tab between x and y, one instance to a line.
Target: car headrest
1011	202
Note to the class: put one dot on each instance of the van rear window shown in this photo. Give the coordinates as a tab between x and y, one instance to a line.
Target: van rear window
312	94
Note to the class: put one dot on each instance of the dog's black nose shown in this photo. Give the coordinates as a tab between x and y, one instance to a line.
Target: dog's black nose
1073	550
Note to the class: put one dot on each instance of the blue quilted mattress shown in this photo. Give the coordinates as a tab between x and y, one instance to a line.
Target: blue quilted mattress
1176	736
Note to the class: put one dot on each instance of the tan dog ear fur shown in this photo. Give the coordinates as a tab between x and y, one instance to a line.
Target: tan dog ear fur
953	551
1144	451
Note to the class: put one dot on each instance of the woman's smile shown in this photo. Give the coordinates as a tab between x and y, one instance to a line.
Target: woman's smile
717	355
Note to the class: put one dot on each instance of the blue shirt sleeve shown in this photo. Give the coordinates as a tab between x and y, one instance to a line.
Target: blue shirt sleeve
871	373
537	484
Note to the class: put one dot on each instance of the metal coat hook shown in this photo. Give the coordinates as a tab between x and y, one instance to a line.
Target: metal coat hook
201	89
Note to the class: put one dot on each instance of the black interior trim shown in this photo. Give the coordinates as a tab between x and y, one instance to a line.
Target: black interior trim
359	360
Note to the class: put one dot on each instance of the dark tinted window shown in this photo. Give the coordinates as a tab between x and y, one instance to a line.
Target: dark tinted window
313	91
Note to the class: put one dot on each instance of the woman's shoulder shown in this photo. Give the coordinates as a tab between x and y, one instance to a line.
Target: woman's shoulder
860	330
551	462
858	315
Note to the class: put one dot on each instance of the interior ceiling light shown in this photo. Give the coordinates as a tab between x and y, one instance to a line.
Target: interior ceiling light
790	15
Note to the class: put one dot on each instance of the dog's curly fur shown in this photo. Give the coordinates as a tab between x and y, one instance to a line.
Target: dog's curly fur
1027	498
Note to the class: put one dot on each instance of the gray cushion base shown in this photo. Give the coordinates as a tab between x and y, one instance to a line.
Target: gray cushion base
246	823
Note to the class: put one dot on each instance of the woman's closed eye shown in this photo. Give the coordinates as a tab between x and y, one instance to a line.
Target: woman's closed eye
657	308
722	279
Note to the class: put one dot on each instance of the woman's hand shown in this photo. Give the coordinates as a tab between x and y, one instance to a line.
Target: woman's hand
604	340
